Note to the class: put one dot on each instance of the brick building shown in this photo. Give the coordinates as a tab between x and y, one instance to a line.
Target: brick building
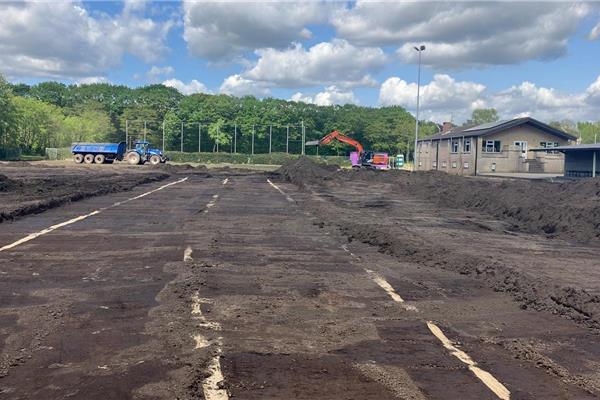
503	146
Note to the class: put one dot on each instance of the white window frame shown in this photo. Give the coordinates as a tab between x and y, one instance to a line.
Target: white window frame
491	144
453	143
466	142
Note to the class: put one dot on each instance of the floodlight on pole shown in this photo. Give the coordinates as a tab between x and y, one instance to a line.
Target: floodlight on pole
419	49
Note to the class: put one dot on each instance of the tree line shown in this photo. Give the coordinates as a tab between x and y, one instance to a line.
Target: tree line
52	114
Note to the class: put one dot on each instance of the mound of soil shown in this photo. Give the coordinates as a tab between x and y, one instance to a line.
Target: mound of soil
304	171
568	210
32	195
7	184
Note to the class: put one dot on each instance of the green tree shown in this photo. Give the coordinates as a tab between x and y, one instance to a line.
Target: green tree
483	116
37	125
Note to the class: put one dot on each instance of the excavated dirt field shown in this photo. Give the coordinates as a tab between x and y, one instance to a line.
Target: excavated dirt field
29	188
309	283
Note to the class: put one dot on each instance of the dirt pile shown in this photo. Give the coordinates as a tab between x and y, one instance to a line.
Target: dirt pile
304	171
568	210
7	184
31	195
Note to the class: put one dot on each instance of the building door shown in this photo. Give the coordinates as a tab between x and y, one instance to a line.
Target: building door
522	145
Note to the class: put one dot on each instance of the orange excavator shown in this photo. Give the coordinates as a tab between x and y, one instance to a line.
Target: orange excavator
359	158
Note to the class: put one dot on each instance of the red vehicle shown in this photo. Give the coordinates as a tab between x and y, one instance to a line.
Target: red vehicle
359	158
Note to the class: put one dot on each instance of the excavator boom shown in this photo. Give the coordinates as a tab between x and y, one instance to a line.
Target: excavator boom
342	138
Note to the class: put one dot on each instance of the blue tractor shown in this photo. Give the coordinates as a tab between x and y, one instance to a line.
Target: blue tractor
142	153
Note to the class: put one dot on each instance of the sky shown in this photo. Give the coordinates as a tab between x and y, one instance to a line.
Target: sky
522	58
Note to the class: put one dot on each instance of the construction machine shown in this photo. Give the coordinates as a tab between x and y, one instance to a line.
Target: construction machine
360	158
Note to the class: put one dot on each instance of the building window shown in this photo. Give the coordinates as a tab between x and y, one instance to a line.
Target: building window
455	146
491	146
466	145
547	145
434	164
444	164
466	165
454	165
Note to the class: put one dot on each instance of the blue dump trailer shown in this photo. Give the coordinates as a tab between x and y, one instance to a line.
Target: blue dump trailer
100	153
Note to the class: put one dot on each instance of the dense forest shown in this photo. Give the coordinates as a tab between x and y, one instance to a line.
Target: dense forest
52	114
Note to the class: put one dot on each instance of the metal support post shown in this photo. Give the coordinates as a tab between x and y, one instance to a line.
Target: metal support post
287	140
270	137
182	136
252	139
235	138
199	137
303	137
163	139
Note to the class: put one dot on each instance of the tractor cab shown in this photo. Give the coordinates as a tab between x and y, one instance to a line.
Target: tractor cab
142	153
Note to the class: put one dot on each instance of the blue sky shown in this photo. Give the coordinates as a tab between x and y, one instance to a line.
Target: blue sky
538	59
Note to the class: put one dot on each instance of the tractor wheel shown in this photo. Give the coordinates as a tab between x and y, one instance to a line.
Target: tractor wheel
99	159
88	159
155	160
78	158
133	158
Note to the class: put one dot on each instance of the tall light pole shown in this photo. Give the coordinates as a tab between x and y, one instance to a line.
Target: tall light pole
419	50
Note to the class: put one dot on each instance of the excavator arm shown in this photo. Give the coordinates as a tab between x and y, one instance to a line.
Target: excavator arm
342	138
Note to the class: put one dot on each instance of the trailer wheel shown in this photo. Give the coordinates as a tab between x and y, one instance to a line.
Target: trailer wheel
99	159
133	158
78	158
154	160
88	159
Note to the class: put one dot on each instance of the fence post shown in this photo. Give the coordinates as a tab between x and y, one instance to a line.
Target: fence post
287	140
270	136
199	136
303	138
182	136
235	138
252	139
163	142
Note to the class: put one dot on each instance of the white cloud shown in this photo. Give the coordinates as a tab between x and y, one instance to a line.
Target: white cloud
463	34
236	85
595	32
445	98
90	80
337	62
440	98
63	40
190	88
155	72
218	30
331	95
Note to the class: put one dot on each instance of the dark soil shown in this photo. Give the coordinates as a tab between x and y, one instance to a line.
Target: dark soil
32	189
556	211
567	210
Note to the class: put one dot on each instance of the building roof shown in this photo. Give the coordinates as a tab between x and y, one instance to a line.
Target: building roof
577	147
495	127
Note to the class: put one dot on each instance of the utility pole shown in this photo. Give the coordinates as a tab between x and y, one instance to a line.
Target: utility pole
235	138
419	50
270	137
252	139
199	137
163	142
287	140
303	137
218	134
182	136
